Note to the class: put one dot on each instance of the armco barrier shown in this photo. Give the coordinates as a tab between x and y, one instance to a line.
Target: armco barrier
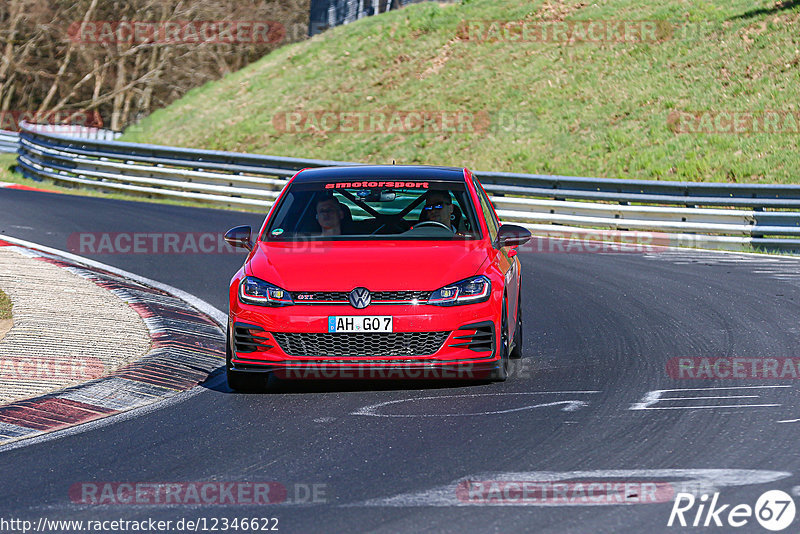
9	141
712	215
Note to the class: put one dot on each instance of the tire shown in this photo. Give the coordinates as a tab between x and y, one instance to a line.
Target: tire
516	352
237	381
500	373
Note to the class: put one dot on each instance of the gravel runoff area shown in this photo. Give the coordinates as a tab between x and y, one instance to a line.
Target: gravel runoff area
66	329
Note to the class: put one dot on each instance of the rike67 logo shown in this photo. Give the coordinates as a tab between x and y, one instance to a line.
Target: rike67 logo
774	510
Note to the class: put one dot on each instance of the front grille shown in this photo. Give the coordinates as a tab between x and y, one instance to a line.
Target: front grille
316	297
404	296
249	338
319	296
361	344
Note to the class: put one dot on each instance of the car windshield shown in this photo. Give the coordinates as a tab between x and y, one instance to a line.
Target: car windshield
359	209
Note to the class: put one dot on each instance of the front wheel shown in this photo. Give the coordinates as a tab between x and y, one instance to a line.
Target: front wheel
516	352
500	373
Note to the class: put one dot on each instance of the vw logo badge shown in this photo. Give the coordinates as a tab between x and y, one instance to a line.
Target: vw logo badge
360	298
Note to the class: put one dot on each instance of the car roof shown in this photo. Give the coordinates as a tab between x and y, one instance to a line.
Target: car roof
324	174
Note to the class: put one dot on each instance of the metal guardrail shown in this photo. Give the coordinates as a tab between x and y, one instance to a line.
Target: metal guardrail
9	141
78	130
716	215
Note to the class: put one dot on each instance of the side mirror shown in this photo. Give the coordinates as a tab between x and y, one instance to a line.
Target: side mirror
511	235
239	237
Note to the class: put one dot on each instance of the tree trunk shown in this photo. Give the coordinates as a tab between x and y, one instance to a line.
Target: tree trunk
15	14
67	57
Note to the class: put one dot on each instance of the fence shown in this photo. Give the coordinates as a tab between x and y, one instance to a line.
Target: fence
712	215
326	14
9	141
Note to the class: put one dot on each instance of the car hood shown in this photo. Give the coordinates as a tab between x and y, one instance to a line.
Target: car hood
378	266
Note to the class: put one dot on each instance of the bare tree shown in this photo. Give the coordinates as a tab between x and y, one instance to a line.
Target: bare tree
48	64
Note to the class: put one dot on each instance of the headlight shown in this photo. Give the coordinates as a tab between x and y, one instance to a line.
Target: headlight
469	291
255	291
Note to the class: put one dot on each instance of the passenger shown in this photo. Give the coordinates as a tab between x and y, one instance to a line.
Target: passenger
330	215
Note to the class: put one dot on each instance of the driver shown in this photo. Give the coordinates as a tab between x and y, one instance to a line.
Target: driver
438	208
330	215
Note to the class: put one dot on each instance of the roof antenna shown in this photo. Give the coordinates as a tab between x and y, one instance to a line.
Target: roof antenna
393	163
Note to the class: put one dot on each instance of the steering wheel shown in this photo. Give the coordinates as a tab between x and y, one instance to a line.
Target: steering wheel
433	223
391	223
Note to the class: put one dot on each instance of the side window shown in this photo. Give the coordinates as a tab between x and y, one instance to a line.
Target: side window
488	211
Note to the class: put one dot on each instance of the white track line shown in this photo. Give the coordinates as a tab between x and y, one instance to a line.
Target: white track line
571	405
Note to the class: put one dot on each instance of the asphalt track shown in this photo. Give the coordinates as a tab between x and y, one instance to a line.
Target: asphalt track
600	329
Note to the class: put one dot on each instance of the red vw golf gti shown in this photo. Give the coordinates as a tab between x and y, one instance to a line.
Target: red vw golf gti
376	272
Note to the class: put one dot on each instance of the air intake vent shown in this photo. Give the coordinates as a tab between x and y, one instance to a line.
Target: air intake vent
249	338
478	337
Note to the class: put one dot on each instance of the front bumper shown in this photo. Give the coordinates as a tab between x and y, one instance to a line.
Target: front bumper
465	348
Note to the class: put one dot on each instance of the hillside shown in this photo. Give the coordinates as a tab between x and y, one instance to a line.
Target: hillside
541	104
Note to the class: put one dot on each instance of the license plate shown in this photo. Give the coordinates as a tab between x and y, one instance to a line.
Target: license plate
359	323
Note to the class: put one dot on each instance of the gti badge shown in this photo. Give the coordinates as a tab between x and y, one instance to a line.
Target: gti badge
360	298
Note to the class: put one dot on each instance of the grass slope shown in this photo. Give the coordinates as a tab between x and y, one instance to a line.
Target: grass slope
582	108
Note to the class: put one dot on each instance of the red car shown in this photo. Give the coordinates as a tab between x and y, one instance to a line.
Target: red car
376	271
